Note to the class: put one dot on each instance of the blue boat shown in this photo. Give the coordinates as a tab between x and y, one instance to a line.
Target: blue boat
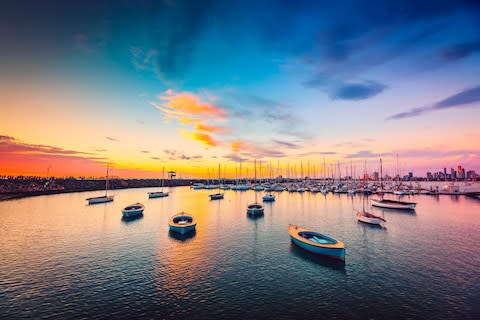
133	210
182	223
268	198
316	242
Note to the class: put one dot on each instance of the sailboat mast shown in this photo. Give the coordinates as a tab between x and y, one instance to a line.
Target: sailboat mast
106	182
255	178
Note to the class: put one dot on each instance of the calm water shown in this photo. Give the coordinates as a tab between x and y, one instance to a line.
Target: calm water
63	259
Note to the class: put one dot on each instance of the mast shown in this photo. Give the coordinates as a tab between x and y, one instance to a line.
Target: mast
255	178
381	175
106	182
163	177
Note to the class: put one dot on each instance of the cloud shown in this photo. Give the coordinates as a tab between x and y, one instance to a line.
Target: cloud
459	100
461	50
111	139
11	145
286	144
203	138
358	91
100	150
179	155
155	158
209	128
244	148
145	151
142	60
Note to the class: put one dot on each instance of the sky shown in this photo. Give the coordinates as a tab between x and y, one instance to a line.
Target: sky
188	85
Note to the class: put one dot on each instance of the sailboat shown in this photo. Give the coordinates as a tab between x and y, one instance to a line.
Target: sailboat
161	193
218	195
255	209
367	217
102	199
389	203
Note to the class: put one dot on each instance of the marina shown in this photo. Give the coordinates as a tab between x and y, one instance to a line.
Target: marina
90	251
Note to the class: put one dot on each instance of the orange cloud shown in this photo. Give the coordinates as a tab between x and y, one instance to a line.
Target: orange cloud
238	146
186	103
203	138
208	128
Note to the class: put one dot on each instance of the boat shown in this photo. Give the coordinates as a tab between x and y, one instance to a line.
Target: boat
268	197
317	243
182	223
102	199
255	209
364	216
218	195
198	186
161	193
370	218
133	210
393	204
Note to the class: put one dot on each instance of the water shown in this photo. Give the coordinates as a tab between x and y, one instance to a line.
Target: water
62	259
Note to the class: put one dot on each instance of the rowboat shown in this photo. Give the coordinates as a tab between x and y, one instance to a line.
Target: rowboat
316	242
182	223
133	210
216	196
367	217
255	209
157	194
393	204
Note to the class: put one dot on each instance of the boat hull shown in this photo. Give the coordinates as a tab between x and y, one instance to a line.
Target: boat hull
368	220
334	249
328	252
183	229
217	196
132	213
96	200
388	205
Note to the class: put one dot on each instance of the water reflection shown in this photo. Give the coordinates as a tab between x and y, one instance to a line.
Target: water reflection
316	259
128	220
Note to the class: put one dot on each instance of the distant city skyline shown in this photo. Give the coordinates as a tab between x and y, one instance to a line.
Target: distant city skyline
187	85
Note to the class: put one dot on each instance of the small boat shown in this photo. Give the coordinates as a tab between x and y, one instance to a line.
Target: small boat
101	199
216	196
198	186
316	242
370	218
133	210
393	204
255	209
182	223
161	193
268	197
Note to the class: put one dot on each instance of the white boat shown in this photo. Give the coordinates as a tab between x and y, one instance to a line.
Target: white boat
161	193
218	195
316	242
369	218
268	197
393	204
133	210
102	199
198	186
182	223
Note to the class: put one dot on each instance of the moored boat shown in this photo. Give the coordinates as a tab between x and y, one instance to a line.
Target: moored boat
255	209
393	204
102	199
316	242
161	193
182	223
268	197
216	196
133	210
370	218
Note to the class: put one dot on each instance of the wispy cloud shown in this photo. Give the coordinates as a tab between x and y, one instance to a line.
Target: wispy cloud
143	60
243	148
203	138
111	139
209	128
459	100
145	151
179	155
287	144
461	50
357	91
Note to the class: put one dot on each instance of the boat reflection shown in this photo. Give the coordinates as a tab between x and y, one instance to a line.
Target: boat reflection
128	220
182	237
334	264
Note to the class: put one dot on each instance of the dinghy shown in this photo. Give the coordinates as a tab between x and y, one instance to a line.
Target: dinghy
316	242
182	223
133	210
393	204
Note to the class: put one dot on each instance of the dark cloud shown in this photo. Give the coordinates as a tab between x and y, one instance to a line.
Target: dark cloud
179	155
458	100
155	158
286	144
461	50
145	151
358	91
111	139
100	150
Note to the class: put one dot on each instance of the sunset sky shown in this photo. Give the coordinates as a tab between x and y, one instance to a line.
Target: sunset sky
187	85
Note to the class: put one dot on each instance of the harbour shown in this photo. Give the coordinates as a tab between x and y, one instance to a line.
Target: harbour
63	258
